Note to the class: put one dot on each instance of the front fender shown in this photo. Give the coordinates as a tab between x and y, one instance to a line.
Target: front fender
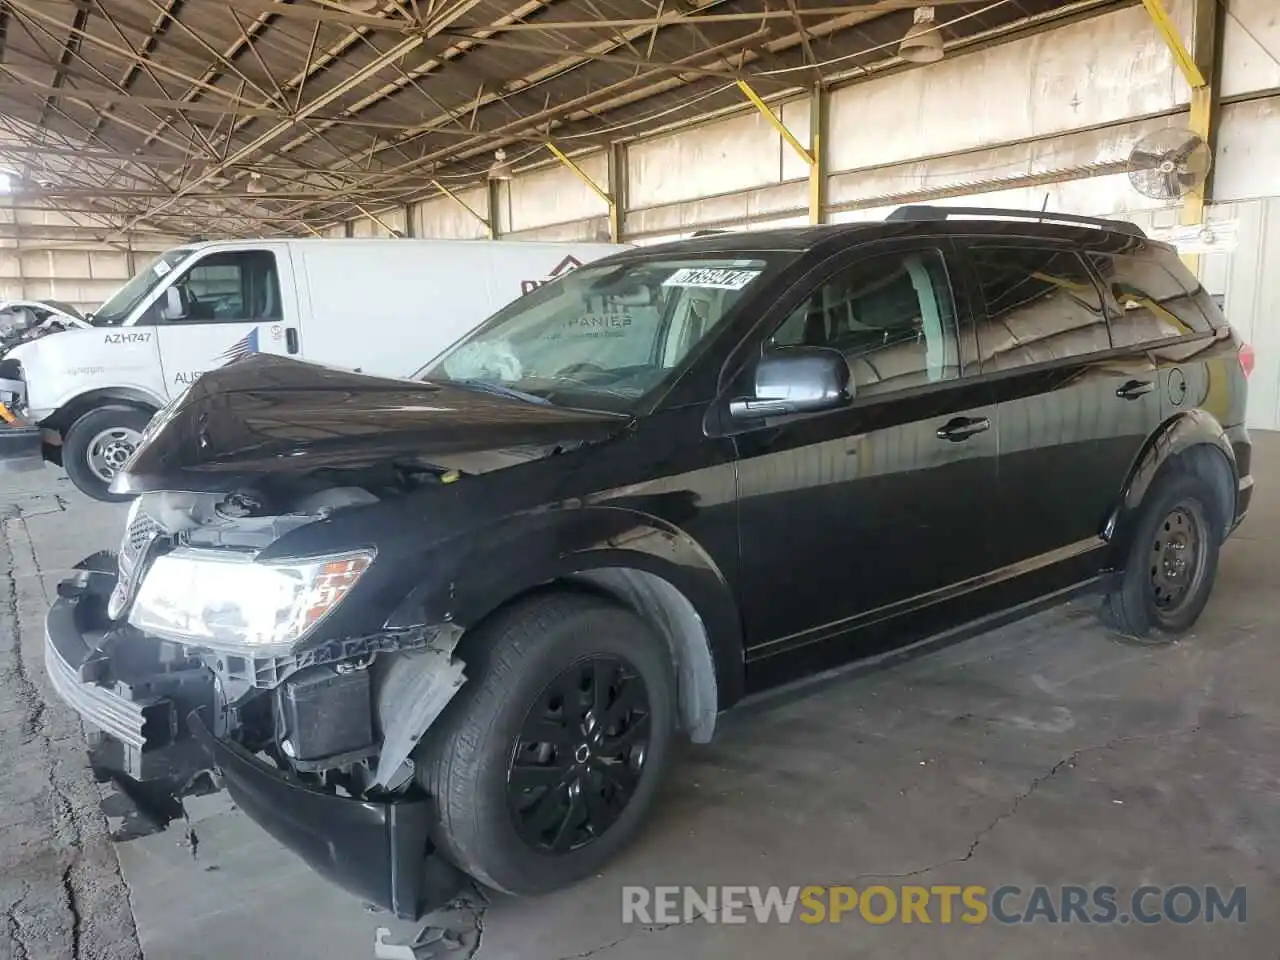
64	368
493	565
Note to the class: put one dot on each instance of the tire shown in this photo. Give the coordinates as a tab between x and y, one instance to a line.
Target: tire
96	440
1182	505
514	665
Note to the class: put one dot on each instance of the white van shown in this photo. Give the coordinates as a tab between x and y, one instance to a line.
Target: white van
378	306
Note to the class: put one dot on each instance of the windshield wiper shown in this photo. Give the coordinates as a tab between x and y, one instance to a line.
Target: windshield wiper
486	386
583	386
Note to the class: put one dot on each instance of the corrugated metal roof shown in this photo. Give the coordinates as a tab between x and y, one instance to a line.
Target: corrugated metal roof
161	113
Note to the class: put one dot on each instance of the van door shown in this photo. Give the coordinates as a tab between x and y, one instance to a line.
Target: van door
226	305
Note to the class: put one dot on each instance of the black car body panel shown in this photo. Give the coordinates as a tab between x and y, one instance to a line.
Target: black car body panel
267	414
997	447
375	850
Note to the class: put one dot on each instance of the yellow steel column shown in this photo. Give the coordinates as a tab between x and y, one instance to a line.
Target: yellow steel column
618	191
1201	68
818	155
1168	31
812	154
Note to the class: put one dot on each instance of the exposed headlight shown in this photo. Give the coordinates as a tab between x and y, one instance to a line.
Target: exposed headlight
216	599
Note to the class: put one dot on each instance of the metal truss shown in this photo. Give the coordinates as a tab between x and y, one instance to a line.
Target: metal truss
250	117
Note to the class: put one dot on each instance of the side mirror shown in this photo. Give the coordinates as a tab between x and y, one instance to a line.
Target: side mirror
173	308
797	380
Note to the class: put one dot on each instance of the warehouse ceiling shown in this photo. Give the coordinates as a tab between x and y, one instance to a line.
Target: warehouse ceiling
235	117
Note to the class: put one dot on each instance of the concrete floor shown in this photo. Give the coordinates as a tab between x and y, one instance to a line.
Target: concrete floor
1044	753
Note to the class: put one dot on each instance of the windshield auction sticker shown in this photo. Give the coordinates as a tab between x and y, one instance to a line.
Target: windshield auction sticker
711	278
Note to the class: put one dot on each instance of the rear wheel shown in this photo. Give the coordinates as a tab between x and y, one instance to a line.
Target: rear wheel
1172	560
545	764
98	445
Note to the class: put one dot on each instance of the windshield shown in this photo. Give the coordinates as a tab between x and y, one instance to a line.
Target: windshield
126	299
603	336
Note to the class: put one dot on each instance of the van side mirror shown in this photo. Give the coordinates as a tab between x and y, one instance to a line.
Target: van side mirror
796	380
173	307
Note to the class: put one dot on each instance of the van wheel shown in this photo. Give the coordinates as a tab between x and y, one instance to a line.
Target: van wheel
1172	561
98	445
546	762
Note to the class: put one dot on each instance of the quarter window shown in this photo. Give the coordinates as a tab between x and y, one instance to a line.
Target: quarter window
1153	303
1042	305
892	316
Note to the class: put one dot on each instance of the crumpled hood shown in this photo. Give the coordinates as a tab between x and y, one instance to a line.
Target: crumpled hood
266	415
23	321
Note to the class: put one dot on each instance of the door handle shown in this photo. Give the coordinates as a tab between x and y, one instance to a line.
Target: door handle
962	428
291	339
1135	389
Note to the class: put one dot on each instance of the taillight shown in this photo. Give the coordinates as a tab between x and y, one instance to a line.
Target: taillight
1246	358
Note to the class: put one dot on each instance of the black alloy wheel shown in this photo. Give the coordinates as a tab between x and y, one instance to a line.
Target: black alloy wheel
547	761
579	754
1177	556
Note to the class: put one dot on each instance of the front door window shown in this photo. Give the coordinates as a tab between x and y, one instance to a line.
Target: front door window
232	287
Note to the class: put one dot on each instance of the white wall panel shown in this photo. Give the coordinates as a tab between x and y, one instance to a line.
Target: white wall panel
1046	158
589	229
82	273
1246	279
441	218
110	265
388	221
1250	47
726	210
553	195
795	114
1246	161
737	153
397	219
1106	196
1097	71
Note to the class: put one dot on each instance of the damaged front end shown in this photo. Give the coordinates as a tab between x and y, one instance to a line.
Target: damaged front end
187	653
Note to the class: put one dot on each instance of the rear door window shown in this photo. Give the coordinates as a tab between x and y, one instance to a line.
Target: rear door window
1042	305
1152	300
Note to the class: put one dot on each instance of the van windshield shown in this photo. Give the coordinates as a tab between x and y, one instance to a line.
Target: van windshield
116	310
603	336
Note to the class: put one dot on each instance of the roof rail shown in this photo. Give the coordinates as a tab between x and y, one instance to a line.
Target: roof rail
707	233
923	212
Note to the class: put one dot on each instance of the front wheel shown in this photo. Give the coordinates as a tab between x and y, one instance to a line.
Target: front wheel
1172	560
546	762
98	445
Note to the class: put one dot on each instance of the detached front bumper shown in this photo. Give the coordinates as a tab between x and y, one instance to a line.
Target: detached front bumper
133	691
21	448
21	444
377	851
151	706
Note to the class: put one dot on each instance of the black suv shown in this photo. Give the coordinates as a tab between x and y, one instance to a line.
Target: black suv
461	618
